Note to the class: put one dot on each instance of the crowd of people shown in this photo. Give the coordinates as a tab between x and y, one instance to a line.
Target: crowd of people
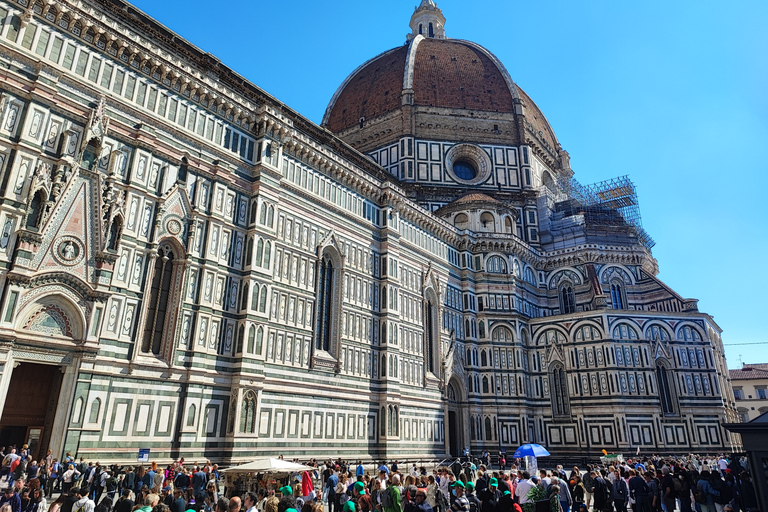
649	484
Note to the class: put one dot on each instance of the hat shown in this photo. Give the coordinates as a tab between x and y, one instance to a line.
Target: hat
360	487
291	510
343	497
470	486
507	493
493	481
535	479
167	488
286	490
458	483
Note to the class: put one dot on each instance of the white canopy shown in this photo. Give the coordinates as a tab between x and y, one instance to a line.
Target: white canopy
268	464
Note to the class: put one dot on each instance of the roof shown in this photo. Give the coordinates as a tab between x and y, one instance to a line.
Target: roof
750	372
475	196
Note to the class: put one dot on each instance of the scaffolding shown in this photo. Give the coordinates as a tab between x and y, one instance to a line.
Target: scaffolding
601	202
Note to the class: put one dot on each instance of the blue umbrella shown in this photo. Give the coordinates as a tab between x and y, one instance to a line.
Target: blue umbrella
530	450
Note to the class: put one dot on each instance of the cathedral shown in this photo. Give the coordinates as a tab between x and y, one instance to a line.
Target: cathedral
189	266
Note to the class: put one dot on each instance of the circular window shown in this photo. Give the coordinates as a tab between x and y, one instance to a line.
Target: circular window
468	164
465	170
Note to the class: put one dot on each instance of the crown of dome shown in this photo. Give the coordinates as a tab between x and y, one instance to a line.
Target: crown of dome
432	86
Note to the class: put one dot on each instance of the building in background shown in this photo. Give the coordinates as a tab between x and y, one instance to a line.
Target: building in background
190	266
750	388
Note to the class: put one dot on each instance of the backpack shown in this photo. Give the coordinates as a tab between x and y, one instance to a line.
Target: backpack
700	496
677	485
386	498
723	493
620	491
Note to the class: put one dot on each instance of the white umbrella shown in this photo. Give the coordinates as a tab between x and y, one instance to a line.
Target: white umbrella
266	465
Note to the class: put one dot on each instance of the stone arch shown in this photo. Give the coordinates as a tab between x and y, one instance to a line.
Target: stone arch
609	272
565	274
53	314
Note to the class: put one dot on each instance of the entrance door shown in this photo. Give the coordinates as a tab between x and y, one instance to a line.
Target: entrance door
453	431
30	407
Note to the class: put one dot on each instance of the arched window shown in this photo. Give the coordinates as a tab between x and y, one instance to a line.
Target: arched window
259	252
267	254
496	265
482	329
485	385
503	334
656	333
487	221
624	332
163	281
461	221
559	391
240	336
587	333
35	210
687	333
430	331
95	410
263	300
270	215
90	154
421	28
259	340
263	214
326	305
191	413
483	358
567	300
251	339
115	231
488	429
244	297
665	391
529	276
248	413
431	30
617	295
254	212
249	251
255	297
508	225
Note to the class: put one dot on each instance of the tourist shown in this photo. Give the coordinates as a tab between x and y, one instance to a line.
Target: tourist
83	503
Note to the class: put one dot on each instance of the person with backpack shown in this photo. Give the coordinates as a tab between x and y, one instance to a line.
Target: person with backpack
654	490
390	497
639	492
704	494
602	492
620	492
83	503
722	493
668	492
474	502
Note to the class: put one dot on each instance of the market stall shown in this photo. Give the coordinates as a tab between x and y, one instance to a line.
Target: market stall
267	473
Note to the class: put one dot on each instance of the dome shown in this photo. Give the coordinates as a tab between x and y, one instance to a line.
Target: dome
436	88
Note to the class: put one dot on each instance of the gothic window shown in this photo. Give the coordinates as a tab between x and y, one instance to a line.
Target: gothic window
485	384
95	409
254	212
267	254
502	334
255	297
251	339
496	265
270	215
263	300
665	391
617	295
115	230
559	390
35	211
567	300
421	28
488	429
163	282
328	278
249	252
687	333
483	358
248	413
482	329
508	226
529	277
263	214
244	297
624	332
240	336
431	30
191	413
430	331
90	154
259	252
657	333
259	340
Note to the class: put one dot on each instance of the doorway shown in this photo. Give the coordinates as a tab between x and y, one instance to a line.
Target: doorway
453	430
30	407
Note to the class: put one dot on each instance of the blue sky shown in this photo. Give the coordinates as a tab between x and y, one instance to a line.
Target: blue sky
671	93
